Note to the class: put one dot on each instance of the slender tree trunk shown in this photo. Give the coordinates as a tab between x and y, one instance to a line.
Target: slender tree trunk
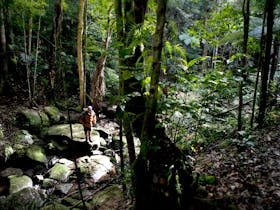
36	57
246	19
98	86
130	13
120	41
144	195
260	60
155	171
85	49
27	59
275	58
270	4
57	21
80	52
3	51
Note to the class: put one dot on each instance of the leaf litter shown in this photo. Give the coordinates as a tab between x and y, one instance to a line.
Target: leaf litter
247	175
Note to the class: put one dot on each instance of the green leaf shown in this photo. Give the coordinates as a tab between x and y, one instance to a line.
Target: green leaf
126	74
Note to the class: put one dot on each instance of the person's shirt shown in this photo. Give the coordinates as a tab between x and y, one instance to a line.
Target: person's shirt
88	119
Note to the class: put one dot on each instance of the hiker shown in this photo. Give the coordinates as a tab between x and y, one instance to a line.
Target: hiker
88	120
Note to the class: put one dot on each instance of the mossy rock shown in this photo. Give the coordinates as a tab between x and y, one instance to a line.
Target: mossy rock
55	206
21	142
37	153
18	183
60	172
64	130
32	119
27	198
53	113
108	197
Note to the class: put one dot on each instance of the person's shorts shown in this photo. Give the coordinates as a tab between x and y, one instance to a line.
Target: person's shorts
87	129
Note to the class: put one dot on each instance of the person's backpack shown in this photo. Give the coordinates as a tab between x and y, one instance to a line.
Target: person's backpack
81	115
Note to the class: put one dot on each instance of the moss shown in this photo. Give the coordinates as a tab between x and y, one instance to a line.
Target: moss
55	206
60	172
36	153
53	113
18	183
104	198
32	119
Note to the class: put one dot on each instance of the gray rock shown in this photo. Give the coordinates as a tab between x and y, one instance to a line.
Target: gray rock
96	166
64	188
37	153
60	172
49	183
27	198
17	183
11	171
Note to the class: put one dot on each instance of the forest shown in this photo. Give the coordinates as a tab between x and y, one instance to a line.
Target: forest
186	95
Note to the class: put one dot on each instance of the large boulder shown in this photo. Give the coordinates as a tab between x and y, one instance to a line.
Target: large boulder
27	198
109	198
65	130
54	114
33	120
60	140
98	167
19	143
18	183
60	172
37	153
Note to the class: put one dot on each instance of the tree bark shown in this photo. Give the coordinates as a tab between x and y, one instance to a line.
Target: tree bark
80	53
246	22
159	159
36	57
270	4
260	61
275	58
3	51
130	14
57	20
98	86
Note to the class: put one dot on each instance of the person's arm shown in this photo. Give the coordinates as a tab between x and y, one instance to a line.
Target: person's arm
94	120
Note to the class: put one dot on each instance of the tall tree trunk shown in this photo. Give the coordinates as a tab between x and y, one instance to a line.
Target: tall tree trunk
80	52
85	49
27	56
275	58
36	57
129	14
120	41
260	61
98	86
154	172
246	19
57	21
3	51
270	4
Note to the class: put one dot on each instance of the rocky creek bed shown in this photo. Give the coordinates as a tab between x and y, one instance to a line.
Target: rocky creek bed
45	162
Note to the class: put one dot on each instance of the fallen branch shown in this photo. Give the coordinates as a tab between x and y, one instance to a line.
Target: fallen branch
231	109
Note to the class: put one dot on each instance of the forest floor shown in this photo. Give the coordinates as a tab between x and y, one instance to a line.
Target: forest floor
246	173
242	174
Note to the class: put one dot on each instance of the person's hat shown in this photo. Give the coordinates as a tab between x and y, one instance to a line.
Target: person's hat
89	107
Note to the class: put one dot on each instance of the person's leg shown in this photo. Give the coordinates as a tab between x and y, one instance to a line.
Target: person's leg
86	133
89	134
